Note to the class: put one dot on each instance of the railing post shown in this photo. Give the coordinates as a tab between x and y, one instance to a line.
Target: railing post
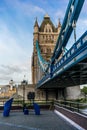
70	106
46	95
78	106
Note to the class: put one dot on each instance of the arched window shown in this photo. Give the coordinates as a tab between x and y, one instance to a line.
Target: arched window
49	30
41	50
48	50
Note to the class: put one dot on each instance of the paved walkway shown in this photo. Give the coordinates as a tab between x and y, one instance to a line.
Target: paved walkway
78	118
48	120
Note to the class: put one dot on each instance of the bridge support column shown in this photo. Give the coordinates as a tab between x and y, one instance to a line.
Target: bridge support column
59	93
73	92
64	93
46	94
56	94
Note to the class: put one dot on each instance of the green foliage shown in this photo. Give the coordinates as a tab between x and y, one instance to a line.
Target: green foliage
84	90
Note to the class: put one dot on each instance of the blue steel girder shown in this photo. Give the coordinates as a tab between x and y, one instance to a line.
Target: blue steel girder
43	64
71	16
75	56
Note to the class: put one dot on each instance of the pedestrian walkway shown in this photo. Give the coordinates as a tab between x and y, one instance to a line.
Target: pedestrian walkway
48	120
78	118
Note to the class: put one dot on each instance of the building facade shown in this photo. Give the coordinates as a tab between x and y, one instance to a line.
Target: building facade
47	35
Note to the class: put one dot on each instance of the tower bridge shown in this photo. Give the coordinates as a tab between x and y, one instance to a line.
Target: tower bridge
70	70
51	69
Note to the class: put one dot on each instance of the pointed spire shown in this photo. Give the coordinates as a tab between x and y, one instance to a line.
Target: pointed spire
59	24
36	22
36	26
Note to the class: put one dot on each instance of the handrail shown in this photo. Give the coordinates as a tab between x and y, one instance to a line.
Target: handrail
80	43
73	106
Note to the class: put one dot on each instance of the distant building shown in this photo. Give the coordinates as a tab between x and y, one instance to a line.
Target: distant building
47	35
6	92
4	88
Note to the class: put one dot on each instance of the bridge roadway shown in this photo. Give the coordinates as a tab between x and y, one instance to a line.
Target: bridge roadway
48	120
70	70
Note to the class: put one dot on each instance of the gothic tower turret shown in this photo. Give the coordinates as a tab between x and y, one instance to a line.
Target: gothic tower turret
47	35
59	26
34	55
36	27
36	30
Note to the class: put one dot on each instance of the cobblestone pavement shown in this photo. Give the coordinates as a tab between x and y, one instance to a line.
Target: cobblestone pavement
48	120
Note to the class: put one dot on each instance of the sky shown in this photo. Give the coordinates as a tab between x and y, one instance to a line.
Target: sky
17	19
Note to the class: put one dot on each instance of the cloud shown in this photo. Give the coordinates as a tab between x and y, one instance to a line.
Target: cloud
27	8
15	72
15	60
81	26
9	43
59	14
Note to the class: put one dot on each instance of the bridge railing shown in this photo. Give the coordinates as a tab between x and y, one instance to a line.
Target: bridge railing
71	53
73	106
44	79
19	102
71	17
74	51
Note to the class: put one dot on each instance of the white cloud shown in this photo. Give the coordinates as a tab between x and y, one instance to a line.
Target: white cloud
26	8
15	72
59	14
13	57
81	27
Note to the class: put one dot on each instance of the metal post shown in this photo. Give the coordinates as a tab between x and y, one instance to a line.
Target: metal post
78	106
74	28
24	83
23	95
46	95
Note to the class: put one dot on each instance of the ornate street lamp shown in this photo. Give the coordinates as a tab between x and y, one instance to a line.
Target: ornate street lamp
24	83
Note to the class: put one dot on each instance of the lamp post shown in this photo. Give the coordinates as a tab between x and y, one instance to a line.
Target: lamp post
24	83
11	82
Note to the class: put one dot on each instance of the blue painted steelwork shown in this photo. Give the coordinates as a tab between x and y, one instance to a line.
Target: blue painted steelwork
7	107
71	17
72	56
75	54
43	64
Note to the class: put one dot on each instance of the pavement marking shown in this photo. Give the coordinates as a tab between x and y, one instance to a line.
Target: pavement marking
18	126
69	120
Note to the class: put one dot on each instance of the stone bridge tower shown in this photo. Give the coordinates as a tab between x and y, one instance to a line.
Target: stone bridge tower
47	35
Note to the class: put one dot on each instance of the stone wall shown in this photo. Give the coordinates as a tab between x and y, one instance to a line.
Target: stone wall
40	94
73	92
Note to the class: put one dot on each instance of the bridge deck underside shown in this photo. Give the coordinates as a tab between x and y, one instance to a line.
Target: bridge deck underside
76	75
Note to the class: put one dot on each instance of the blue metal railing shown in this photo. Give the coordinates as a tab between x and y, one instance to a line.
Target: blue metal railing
78	48
71	16
73	51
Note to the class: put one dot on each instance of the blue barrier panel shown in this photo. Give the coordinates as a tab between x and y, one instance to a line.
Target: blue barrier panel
7	107
26	112
37	109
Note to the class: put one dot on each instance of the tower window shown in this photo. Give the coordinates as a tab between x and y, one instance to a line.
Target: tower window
49	30
48	50
41	50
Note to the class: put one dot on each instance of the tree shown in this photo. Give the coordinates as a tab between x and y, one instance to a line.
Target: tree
84	90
